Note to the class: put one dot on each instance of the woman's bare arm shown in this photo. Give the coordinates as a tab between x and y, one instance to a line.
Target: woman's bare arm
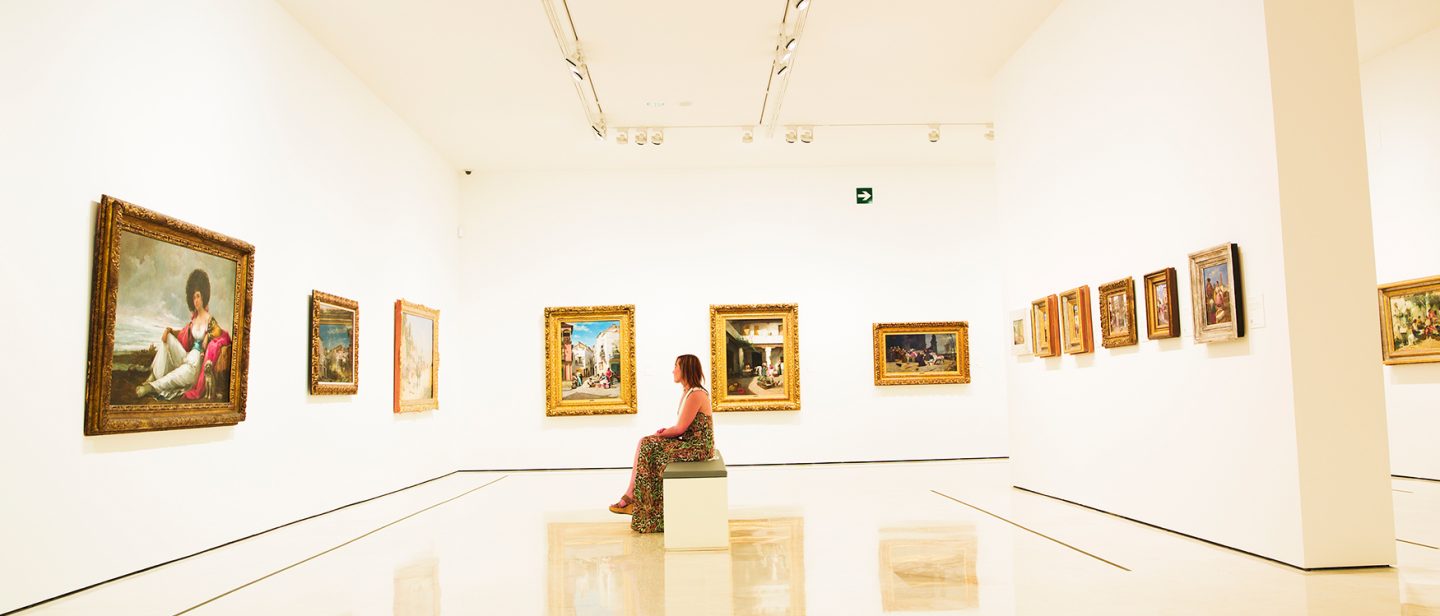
687	414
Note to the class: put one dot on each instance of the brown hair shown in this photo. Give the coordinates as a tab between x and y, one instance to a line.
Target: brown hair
690	371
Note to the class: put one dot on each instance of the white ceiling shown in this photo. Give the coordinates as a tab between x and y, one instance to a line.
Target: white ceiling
485	80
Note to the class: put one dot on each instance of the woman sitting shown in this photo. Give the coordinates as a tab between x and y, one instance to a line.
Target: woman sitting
691	439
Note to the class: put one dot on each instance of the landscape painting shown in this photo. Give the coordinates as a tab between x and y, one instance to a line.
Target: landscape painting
417	357
1410	321
169	324
921	353
334	344
589	360
755	360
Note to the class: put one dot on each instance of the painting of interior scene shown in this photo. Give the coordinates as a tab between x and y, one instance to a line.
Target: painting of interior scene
755	357
920	352
337	344
1415	319
589	360
174	315
417	344
1219	308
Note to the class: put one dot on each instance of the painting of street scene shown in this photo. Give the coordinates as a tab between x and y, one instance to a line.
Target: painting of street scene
1218	306
590	360
755	357
1415	322
1117	314
920	352
174	314
417	345
337	344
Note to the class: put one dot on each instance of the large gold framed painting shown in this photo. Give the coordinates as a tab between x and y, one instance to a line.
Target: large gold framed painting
334	345
417	357
921	353
169	324
590	360
755	357
1217	294
1410	321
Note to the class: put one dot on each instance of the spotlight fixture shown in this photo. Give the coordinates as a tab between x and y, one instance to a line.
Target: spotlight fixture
790	135
791	45
786	58
599	134
802	5
781	72
934	133
639	136
575	70
747	135
657	136
622	137
807	135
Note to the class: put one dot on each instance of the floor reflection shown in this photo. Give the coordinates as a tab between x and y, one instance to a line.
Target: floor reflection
605	568
417	588
928	568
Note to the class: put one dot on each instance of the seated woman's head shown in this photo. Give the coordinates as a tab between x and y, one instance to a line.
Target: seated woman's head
197	290
688	371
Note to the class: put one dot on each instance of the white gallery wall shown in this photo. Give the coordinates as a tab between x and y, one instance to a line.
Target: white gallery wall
227	115
1130	134
1402	125
674	242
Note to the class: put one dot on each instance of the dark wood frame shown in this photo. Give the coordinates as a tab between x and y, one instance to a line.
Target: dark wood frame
1168	277
101	417
322	388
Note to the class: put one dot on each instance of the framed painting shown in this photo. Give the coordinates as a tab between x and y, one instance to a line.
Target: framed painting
1019	333
1045	326
417	357
755	357
1075	320
1162	305
169	324
1216	294
1410	321
334	344
1117	314
922	353
590	360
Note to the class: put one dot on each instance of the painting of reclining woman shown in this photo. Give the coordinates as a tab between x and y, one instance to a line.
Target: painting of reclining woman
169	322
921	353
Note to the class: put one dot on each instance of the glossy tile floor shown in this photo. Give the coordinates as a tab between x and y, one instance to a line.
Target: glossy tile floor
842	539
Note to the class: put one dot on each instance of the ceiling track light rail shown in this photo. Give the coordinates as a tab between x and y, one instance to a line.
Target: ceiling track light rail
787	44
562	25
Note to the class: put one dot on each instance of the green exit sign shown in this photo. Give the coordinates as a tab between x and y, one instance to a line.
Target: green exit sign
864	196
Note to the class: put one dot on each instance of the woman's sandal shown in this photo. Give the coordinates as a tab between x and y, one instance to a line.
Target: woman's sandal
624	507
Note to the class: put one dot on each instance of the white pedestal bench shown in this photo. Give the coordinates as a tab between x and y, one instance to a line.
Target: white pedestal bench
697	505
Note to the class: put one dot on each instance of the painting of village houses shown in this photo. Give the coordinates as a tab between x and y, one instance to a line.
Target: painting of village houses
334	352
755	357
589	360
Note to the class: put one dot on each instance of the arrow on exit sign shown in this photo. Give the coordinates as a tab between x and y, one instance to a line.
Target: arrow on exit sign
863	196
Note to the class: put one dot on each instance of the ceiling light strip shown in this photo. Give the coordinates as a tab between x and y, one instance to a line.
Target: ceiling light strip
562	25
782	65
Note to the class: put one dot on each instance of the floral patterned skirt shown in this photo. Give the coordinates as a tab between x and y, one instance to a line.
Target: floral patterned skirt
655	453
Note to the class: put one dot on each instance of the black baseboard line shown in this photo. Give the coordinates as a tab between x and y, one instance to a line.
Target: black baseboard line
1200	539
728	465
1417	478
416	485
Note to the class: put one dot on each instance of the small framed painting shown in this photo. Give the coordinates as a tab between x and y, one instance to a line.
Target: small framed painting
1075	320
1117	314
921	353
169	323
1045	326
1162	305
755	357
1410	321
1019	333
590	360
417	357
1216	291
334	344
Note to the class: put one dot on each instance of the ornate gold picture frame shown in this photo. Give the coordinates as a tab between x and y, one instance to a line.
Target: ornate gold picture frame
169	323
1410	321
334	345
590	360
1075	321
1045	326
1217	294
921	353
1162	305
755	357
1117	314
417	357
